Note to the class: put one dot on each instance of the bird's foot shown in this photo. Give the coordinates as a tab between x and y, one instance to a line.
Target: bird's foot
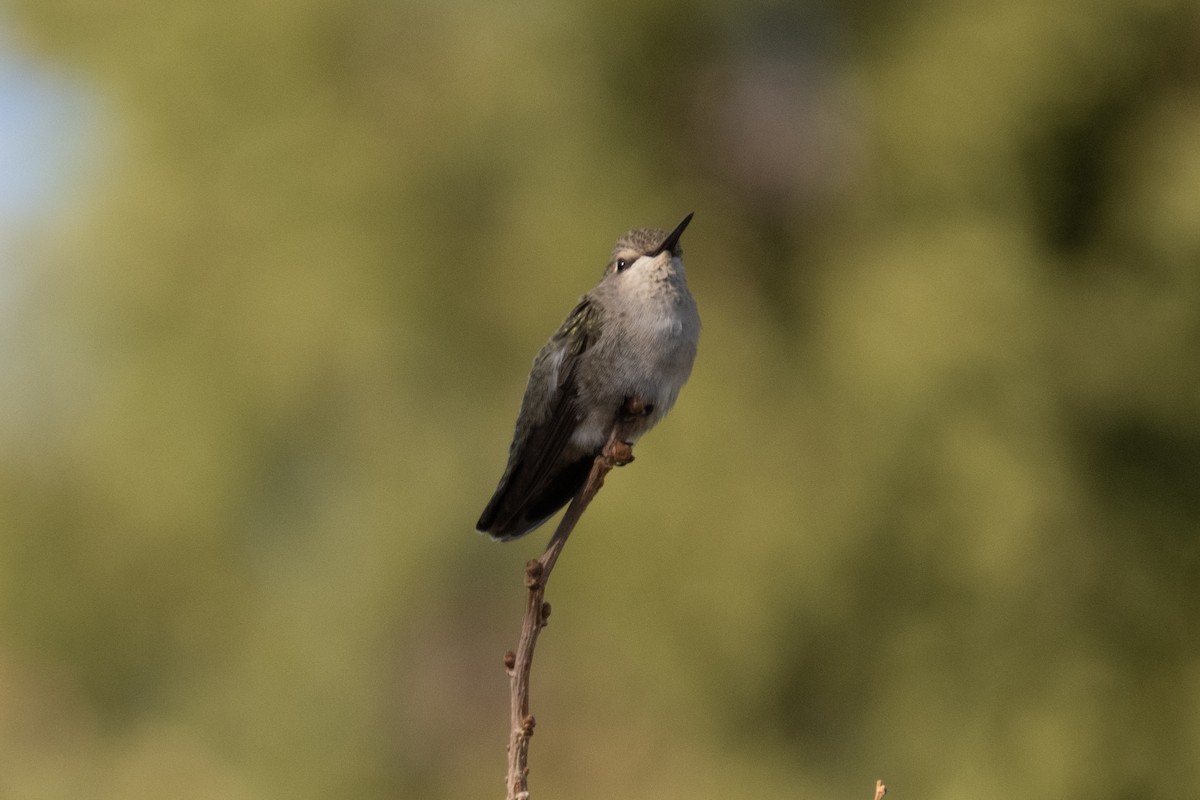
618	454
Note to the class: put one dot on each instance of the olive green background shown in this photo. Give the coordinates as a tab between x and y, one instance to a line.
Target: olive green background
927	510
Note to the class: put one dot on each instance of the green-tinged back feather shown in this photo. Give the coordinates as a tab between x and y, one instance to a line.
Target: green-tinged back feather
543	472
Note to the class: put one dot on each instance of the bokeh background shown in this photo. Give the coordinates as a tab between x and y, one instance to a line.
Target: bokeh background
274	272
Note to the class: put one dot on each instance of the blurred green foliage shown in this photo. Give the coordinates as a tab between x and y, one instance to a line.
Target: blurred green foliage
928	510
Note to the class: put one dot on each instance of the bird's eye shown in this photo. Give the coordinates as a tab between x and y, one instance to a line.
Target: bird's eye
622	265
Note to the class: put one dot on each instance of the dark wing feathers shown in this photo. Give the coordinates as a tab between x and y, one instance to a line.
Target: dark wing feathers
512	507
538	481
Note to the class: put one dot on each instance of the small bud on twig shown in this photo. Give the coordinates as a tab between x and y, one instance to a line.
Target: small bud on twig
533	573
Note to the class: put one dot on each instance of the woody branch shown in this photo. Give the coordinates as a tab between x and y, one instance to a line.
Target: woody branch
617	452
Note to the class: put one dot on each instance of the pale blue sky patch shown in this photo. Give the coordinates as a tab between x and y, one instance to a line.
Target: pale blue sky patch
43	115
46	118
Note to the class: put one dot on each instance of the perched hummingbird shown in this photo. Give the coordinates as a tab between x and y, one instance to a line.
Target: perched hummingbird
632	337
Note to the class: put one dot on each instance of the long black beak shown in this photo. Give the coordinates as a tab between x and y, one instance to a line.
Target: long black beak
672	241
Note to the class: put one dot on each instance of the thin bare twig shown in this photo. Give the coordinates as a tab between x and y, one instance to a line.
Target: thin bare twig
616	453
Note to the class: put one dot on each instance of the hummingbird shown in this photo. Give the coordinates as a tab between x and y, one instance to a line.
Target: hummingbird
628	344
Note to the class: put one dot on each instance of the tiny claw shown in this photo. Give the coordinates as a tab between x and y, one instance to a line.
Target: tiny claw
619	454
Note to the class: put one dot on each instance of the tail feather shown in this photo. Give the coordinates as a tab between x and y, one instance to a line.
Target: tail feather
511	513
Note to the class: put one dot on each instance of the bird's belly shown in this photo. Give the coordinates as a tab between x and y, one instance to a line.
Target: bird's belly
653	377
645	355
